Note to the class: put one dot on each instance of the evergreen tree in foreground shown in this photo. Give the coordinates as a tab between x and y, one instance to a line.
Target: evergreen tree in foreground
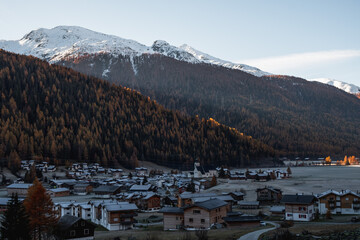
40	208
15	221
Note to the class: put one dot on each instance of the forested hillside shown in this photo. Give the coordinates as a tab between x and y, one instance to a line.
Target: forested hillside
54	113
294	116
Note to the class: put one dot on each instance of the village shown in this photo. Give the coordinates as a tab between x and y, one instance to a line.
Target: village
120	201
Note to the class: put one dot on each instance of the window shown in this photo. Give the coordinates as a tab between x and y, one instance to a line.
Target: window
82	223
191	220
177	218
347	199
72	233
86	231
196	211
289	214
202	220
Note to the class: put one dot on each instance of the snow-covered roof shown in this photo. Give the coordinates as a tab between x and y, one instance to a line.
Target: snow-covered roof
20	185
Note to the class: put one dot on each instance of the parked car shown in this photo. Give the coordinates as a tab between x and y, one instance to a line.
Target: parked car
355	219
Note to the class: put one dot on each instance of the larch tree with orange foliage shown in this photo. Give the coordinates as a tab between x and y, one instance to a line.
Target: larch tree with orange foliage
40	208
328	160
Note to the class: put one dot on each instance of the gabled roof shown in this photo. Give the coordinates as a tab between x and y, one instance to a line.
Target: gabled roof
67	221
149	195
347	191
210	204
140	187
330	191
186	195
55	190
276	209
106	188
20	185
120	206
276	190
247	203
298	199
175	210
220	197
239	194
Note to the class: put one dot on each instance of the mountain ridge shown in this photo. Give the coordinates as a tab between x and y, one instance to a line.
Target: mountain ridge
44	43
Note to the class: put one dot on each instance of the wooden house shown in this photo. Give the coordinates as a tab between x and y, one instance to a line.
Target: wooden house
173	218
204	214
21	189
105	191
71	227
249	204
82	189
150	202
59	192
236	220
343	202
118	216
268	195
201	215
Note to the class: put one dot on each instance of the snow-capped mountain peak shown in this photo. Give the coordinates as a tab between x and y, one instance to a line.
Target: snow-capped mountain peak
64	42
163	47
347	87
67	41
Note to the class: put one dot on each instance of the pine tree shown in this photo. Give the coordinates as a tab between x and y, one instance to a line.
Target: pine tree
14	163
191	187
221	173
40	209
213	181
30	176
15	221
289	170
144	180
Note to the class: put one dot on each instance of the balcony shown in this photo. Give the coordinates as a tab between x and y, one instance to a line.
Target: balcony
356	206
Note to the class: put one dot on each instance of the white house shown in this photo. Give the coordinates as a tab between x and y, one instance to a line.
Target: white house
299	207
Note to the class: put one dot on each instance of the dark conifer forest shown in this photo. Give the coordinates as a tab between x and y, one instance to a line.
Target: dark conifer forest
49	112
296	117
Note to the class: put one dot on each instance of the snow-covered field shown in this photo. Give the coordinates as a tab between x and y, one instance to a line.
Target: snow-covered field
305	180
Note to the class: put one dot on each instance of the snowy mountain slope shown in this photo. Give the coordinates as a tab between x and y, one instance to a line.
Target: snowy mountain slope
205	58
67	41
63	42
347	87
